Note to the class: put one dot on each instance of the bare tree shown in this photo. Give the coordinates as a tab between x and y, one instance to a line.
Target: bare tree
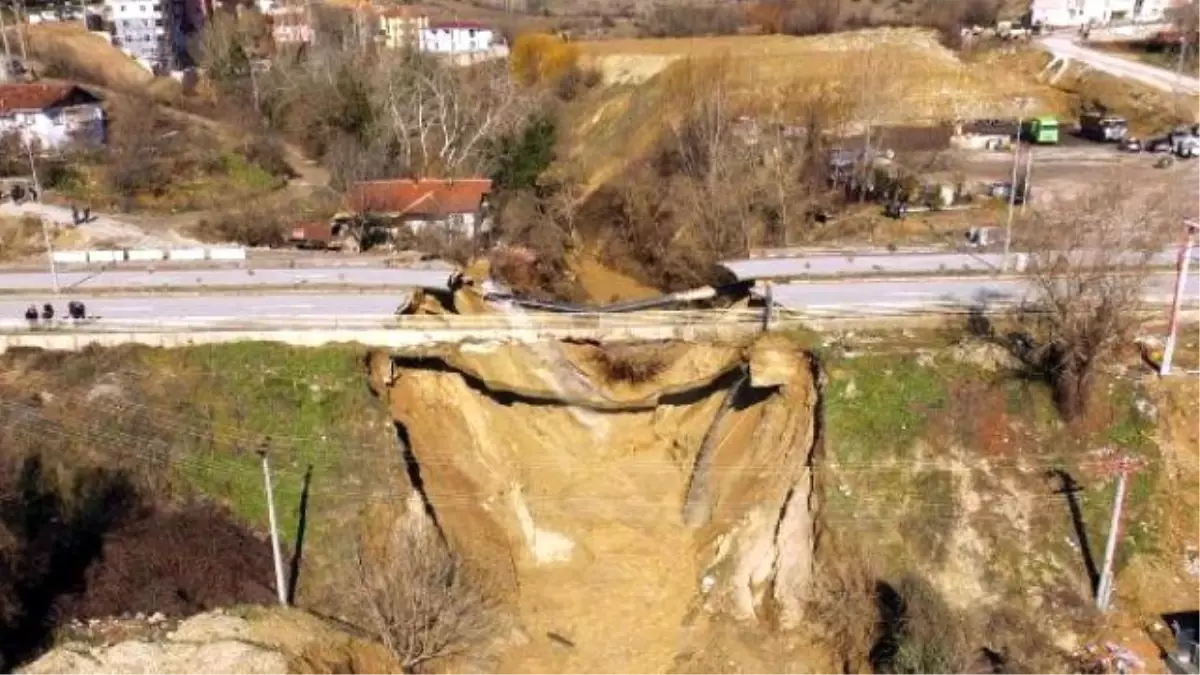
422	602
441	117
1088	266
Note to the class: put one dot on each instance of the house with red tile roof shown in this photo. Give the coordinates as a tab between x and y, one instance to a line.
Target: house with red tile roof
50	115
453	205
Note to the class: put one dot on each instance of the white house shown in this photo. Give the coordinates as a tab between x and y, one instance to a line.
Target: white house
456	37
1073	13
457	205
50	115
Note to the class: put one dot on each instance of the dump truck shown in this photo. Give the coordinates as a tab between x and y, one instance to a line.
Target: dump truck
343	232
1102	127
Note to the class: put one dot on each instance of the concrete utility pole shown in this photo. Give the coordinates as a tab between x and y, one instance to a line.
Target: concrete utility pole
1185	258
280	584
768	306
1028	173
1105	587
37	189
1179	70
5	70
1012	188
22	16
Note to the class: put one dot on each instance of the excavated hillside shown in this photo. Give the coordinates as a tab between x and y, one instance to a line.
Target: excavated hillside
615	491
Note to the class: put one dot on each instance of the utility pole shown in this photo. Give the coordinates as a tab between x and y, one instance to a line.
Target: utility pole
1104	589
768	306
1028	173
279	582
46	238
22	17
1012	188
1185	255
6	70
1179	70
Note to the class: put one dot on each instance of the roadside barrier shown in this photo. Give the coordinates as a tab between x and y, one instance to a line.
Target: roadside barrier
110	256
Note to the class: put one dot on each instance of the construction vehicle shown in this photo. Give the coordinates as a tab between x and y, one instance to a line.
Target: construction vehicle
345	232
1042	130
1181	142
1102	127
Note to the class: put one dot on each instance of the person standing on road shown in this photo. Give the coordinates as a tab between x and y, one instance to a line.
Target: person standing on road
31	315
47	311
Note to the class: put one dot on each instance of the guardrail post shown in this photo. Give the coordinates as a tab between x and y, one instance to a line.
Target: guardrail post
768	307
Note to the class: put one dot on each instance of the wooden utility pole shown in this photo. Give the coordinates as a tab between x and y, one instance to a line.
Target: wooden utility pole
280	584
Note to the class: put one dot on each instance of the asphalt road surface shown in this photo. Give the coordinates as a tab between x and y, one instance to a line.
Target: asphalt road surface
898	263
83	281
868	297
865	297
275	308
1163	80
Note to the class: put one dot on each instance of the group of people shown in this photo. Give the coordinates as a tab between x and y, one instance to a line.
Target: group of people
75	310
18	193
80	215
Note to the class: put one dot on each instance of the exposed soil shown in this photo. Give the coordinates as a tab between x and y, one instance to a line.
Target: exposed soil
610	511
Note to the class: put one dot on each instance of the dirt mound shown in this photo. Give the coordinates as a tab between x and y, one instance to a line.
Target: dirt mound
611	509
896	76
256	640
69	50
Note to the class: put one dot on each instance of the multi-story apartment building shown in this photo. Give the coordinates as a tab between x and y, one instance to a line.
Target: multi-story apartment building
152	32
290	24
401	27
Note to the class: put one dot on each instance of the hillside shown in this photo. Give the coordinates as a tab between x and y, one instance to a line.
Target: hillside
891	76
652	480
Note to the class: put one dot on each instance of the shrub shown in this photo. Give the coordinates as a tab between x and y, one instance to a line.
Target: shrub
267	154
541	57
923	634
843	605
691	21
422	602
249	226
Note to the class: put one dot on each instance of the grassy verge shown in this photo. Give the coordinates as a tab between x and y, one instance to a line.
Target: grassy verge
191	421
940	465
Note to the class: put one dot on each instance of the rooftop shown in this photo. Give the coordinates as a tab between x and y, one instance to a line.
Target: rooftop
429	197
40	96
451	25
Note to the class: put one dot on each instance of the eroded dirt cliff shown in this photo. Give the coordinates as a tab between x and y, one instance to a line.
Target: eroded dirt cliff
615	504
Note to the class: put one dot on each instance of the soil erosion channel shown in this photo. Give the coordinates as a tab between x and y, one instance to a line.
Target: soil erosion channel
615	491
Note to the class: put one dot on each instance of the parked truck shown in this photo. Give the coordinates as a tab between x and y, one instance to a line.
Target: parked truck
1103	127
1042	130
345	232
